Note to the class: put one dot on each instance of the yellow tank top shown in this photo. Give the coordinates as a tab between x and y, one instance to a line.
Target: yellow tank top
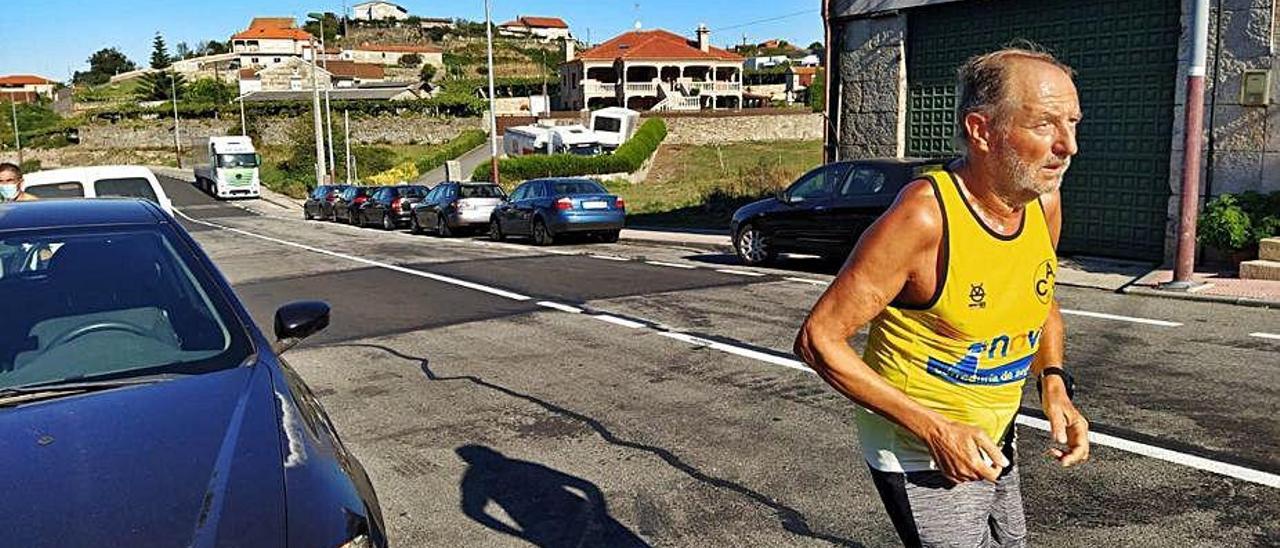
966	353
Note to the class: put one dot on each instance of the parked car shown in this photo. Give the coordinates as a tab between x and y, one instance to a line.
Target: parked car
319	204
452	206
390	206
139	397
824	212
545	209
97	182
348	201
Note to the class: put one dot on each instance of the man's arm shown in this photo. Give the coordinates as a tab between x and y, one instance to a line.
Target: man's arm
877	271
1067	426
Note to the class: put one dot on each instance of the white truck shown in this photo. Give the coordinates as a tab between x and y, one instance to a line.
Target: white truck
550	139
229	167
614	125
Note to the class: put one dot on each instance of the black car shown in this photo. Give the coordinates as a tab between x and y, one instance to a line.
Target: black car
453	206
319	204
140	404
824	212
348	202
390	206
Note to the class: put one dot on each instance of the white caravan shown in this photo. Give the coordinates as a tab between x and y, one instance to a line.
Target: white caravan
614	125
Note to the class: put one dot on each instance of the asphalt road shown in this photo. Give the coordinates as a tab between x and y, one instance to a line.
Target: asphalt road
507	395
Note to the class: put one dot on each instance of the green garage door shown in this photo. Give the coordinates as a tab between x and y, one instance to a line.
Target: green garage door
1125	54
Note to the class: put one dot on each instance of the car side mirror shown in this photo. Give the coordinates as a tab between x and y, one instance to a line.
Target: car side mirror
782	196
298	320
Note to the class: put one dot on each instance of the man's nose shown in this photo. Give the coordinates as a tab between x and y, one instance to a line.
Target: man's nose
1065	145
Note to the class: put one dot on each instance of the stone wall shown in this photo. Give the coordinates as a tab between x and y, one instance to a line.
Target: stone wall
872	87
704	130
382	129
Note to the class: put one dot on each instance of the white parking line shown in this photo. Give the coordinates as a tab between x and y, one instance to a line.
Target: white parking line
617	321
1175	457
560	307
808	281
740	272
1261	335
672	265
1103	316
608	257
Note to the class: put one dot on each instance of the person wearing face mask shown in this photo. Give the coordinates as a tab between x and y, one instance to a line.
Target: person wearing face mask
11	184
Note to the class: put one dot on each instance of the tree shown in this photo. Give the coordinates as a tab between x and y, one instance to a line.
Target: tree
214	47
159	85
428	72
816	46
160	53
331	27
104	64
183	51
411	60
209	90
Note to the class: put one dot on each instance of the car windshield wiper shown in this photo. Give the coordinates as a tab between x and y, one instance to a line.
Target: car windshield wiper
27	393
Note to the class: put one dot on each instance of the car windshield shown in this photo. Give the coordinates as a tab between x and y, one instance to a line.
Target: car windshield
480	191
237	160
577	187
412	191
120	303
129	187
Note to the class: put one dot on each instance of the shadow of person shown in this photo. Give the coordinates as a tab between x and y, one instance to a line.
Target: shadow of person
550	509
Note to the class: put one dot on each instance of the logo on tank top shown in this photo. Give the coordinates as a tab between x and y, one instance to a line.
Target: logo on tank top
1044	280
977	296
988	362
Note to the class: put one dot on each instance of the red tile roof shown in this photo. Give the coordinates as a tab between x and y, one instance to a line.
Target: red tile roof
24	80
537	22
352	69
272	28
657	45
399	48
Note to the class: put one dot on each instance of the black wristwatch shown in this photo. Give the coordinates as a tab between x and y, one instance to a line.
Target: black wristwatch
1066	379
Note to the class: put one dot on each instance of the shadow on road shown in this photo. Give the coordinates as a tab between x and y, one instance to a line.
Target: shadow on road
550	508
791	519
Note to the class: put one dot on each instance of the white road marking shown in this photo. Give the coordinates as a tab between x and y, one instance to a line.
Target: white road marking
1103	316
617	321
1200	463
740	272
1160	453
1265	336
808	281
608	257
672	265
560	307
362	260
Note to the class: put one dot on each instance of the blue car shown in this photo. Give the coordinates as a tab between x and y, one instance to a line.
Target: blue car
141	406
545	209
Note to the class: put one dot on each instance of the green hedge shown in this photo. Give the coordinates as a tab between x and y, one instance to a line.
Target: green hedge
445	104
1236	222
464	142
628	158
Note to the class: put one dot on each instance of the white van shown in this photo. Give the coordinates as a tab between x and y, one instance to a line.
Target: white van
614	125
97	182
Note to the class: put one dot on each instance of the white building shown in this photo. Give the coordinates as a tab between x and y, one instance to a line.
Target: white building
270	41
652	70
546	28
293	74
26	88
378	11
761	62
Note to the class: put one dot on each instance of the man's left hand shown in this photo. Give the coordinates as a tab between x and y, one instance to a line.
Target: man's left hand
1067	426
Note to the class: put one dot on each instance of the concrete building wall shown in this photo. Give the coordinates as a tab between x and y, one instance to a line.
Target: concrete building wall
871	90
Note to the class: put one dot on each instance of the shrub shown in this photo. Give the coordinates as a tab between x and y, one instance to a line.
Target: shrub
628	158
456	147
1224	224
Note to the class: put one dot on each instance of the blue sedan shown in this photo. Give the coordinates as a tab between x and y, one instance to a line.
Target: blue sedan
545	209
141	406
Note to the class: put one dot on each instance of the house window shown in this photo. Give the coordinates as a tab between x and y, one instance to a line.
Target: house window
295	83
254	60
277	60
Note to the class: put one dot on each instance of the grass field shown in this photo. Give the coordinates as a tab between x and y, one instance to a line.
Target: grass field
700	186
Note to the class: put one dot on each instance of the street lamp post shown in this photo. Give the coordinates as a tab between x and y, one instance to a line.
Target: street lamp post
177	143
328	114
244	127
315	107
17	139
493	111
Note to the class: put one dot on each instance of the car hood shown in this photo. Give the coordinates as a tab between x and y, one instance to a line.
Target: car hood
755	208
194	461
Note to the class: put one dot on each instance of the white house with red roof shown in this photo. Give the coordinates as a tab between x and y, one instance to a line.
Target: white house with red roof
546	28
652	70
26	88
270	41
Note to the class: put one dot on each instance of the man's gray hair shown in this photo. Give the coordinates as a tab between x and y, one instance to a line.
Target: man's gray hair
981	84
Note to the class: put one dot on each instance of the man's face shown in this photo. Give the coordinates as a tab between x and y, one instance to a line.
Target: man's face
1034	139
10	184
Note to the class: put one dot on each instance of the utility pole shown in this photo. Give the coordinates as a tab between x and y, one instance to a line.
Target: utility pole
328	114
493	111
177	143
315	108
17	140
346	129
244	128
1184	266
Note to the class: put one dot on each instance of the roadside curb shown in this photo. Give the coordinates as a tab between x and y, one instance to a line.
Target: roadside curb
722	248
1220	299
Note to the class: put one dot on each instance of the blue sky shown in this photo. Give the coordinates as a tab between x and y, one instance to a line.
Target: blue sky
54	37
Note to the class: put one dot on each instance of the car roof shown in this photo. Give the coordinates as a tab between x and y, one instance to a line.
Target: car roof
78	212
909	161
63	175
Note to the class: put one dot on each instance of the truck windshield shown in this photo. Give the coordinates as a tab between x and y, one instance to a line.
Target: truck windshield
237	160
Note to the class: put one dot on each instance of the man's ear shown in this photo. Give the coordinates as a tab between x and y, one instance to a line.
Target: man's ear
979	127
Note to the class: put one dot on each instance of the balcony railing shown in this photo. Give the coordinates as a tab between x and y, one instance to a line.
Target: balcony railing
650	88
600	88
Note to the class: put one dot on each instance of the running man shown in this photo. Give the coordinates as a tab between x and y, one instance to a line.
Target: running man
956	281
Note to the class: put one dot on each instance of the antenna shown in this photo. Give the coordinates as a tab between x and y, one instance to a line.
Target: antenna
637	5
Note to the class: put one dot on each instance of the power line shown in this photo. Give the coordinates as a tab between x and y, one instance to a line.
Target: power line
768	19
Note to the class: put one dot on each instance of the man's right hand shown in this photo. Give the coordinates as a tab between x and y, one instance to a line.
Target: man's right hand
958	450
